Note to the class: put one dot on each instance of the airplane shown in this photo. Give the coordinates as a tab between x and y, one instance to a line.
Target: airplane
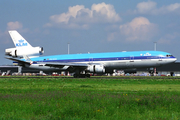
83	64
22	47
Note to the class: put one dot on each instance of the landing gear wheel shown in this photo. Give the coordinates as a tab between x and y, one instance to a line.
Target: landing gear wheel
81	75
76	76
88	75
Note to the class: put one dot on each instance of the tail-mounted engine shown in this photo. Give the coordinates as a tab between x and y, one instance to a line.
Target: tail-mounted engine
19	52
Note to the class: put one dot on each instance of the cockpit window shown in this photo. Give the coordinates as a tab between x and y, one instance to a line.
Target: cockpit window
169	55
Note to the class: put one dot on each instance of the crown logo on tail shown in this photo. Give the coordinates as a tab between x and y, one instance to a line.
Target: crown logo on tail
21	41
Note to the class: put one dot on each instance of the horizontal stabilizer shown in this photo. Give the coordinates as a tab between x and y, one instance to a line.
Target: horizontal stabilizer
17	60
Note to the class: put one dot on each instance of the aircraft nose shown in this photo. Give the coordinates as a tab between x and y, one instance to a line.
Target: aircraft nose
172	60
175	59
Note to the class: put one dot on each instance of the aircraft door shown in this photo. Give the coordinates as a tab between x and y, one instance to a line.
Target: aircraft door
131	58
90	60
130	63
160	58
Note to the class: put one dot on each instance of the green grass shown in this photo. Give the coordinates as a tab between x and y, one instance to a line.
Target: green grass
79	99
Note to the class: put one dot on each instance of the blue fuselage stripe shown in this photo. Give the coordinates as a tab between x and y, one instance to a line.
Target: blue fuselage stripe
107	59
135	55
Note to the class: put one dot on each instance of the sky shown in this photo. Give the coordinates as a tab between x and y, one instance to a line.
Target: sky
92	25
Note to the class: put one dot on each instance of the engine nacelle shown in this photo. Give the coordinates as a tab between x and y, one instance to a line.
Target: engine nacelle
19	52
96	69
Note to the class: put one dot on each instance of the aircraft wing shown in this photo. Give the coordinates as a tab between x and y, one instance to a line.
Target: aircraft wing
57	64
50	64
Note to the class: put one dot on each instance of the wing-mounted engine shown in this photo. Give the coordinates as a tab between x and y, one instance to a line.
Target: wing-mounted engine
19	52
96	69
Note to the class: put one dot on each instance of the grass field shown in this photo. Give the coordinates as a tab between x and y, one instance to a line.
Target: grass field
79	99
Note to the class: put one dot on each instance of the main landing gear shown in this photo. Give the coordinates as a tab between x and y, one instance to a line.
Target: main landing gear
81	75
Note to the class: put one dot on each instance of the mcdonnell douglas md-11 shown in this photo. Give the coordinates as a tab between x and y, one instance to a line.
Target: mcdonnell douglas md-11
83	64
